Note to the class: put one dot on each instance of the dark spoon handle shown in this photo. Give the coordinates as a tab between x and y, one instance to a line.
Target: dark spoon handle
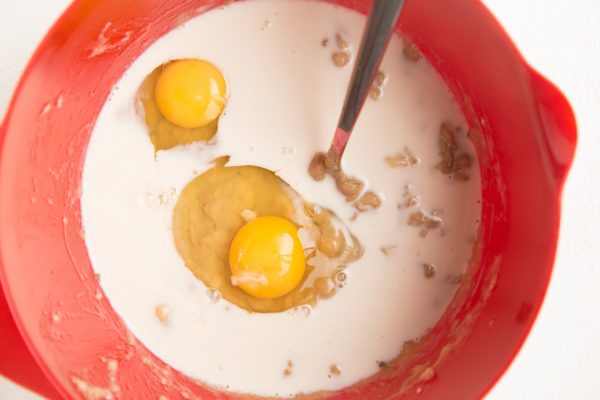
380	24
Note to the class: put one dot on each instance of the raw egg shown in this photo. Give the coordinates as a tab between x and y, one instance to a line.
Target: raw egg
266	257
238	228
181	102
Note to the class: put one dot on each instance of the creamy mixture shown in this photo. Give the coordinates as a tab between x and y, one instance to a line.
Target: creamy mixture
287	80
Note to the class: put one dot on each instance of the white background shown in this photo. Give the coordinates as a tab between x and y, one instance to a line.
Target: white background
561	38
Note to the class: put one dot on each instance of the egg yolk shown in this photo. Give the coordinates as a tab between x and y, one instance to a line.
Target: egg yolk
191	93
266	257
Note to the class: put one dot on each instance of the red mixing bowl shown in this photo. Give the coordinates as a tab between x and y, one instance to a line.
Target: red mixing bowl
525	136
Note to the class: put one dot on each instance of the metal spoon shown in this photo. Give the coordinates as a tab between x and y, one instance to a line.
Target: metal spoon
380	24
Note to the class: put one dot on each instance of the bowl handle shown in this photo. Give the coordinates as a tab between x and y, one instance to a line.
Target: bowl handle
559	124
16	362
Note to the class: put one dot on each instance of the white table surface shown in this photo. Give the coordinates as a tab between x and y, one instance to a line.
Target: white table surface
561	38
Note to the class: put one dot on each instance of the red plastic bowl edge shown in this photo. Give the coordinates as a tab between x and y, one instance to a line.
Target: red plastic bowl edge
540	84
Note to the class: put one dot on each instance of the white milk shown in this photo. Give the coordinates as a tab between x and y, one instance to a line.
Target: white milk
286	96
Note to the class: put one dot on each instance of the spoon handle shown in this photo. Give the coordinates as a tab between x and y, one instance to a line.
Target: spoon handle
380	24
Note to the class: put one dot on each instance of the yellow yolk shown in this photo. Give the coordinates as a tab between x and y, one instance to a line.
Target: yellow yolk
266	257
191	93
